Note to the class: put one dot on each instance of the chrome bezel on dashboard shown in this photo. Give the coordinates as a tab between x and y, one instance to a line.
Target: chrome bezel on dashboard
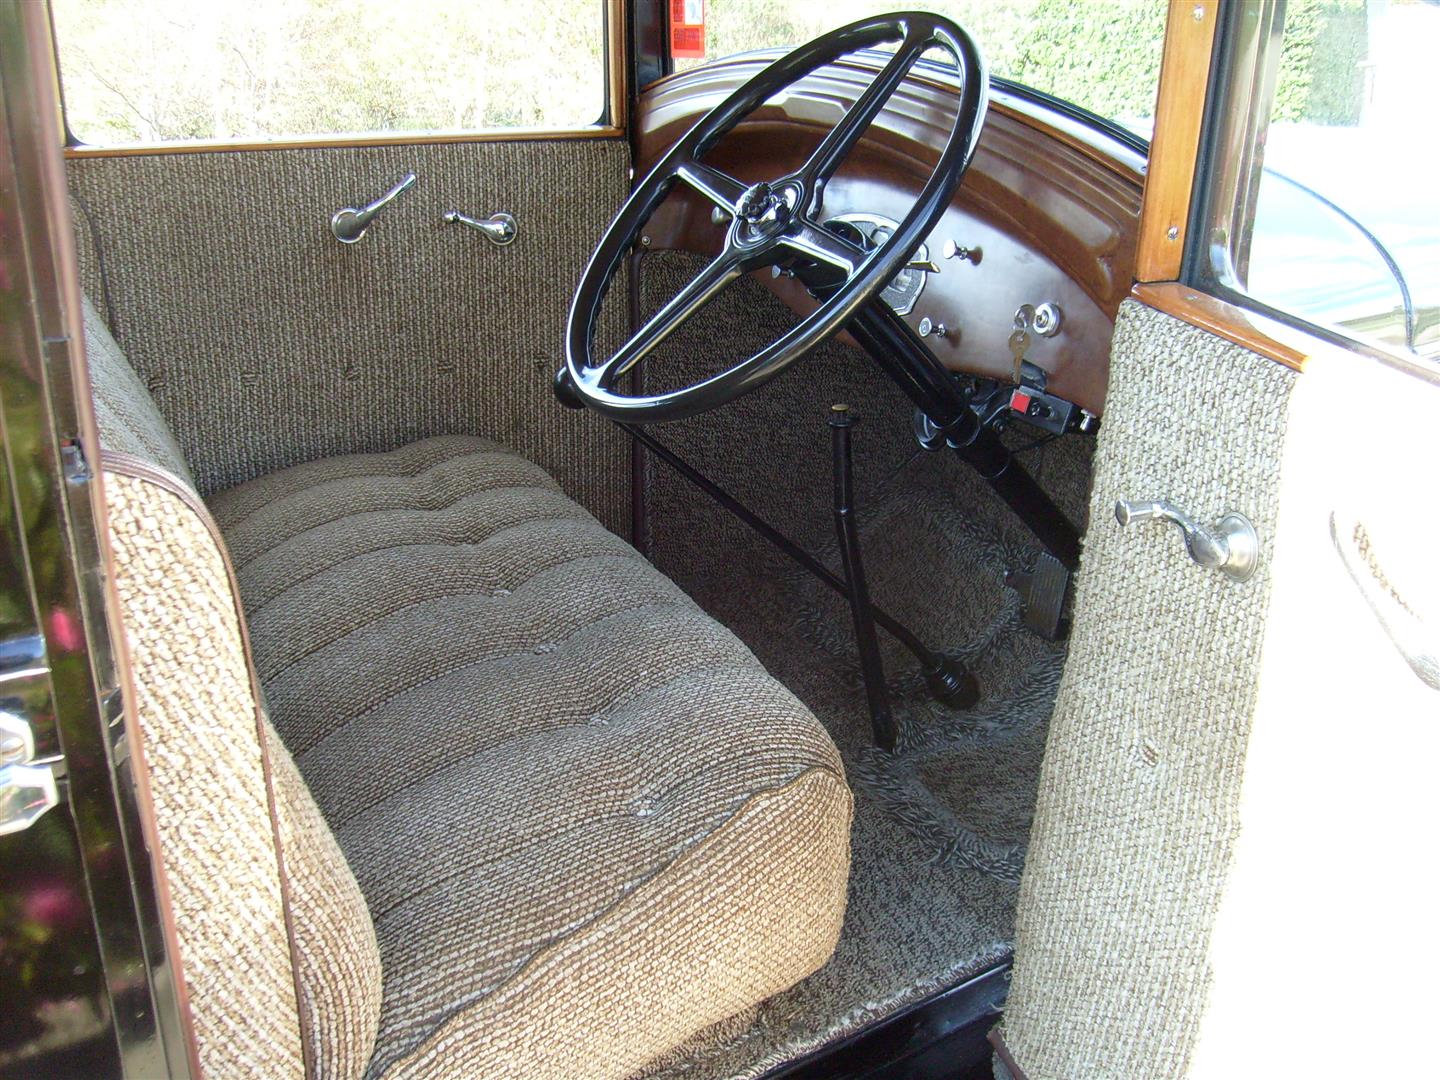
905	287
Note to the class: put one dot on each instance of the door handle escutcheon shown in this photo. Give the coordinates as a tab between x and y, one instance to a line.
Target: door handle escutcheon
1232	547
349	225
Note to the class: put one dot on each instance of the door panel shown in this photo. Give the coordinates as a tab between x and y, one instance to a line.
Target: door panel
267	342
1139	791
1333	878
1237	801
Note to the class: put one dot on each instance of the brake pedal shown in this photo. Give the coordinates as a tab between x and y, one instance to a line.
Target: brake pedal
1042	596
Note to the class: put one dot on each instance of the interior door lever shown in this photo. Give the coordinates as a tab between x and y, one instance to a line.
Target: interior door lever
1232	547
500	229
349	225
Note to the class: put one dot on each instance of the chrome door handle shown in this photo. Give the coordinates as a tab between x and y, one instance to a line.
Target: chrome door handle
499	229
349	225
1232	547
27	786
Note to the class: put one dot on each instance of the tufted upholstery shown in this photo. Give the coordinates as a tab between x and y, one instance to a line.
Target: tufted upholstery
584	821
565	742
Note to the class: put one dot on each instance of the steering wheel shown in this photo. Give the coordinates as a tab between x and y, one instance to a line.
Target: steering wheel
774	221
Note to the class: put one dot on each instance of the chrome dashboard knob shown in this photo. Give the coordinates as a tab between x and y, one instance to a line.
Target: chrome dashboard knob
953	250
932	329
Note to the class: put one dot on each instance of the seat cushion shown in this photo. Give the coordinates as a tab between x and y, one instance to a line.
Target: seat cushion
585	820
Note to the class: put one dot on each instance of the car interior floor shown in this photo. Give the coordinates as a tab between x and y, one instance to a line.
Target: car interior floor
941	825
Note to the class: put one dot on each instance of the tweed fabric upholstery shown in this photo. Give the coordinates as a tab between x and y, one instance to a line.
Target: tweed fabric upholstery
585	820
334	943
124	410
266	343
197	718
1139	791
333	961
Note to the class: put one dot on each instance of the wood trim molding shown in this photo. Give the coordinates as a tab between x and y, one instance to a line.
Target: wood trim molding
328	142
1268	337
1179	112
617	92
997	1040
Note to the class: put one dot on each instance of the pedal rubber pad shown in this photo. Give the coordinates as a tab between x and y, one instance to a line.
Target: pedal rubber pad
1042	595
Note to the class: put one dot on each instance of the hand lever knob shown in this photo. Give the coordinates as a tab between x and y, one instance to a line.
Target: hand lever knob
955	250
1232	547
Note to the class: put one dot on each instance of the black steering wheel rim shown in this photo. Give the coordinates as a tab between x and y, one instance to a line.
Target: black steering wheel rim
769	217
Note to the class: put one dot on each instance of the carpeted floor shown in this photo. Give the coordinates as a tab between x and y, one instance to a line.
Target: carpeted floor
940	826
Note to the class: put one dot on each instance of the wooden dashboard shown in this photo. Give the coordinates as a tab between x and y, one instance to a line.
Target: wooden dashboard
1053	204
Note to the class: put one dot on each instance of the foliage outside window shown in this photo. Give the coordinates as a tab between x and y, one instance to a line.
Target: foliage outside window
145	71
1103	55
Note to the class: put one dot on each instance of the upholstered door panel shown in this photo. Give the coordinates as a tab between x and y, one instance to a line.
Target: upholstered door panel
1139	793
266	342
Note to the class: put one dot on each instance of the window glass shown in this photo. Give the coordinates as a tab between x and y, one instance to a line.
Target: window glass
145	71
1103	55
1345	230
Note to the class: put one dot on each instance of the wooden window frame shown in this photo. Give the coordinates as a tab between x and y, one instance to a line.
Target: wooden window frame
1191	99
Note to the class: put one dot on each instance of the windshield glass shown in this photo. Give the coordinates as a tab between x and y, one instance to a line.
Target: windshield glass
1103	55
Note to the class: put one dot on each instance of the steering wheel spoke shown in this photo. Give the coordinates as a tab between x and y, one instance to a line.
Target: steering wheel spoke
819	244
721	189
703	288
841	139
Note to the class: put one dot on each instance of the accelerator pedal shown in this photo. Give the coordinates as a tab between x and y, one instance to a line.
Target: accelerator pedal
1042	596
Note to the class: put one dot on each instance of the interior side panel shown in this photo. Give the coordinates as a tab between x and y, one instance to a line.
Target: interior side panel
1139	792
266	342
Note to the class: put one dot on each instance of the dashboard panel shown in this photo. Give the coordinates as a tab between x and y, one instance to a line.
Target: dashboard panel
1052	204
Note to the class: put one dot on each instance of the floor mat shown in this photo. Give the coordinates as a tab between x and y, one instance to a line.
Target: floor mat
940	826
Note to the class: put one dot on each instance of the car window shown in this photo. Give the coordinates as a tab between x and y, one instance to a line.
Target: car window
1103	55
150	71
1343	225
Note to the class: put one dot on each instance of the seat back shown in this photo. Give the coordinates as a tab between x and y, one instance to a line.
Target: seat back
277	948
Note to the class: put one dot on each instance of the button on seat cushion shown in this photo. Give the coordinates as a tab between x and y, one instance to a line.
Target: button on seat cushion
585	821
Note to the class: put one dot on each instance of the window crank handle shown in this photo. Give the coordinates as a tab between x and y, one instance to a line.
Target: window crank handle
499	229
349	225
1233	547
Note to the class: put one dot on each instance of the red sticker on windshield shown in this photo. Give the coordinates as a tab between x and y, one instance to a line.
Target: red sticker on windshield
687	29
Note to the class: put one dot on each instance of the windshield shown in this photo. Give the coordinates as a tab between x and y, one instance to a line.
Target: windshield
1103	55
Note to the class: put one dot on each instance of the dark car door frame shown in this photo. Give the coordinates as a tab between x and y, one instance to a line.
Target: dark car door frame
90	983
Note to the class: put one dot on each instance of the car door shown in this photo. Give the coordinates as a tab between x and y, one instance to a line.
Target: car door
209	155
1235	811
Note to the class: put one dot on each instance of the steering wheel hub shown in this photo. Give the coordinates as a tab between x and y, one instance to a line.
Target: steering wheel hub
758	201
764	210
